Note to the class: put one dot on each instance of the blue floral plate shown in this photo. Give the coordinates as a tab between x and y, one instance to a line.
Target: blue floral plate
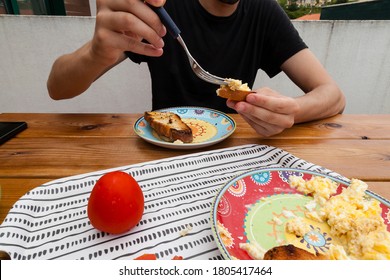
208	127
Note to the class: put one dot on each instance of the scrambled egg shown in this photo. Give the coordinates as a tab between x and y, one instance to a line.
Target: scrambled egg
234	84
337	252
225	235
354	219
253	250
320	188
357	222
297	226
185	231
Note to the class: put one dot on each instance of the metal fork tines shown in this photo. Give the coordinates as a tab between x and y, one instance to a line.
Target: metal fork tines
175	32
198	70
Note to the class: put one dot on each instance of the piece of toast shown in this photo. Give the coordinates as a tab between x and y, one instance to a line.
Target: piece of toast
234	90
169	126
236	95
291	252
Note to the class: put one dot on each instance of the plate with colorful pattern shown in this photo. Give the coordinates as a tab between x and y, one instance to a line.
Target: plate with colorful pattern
255	207
208	127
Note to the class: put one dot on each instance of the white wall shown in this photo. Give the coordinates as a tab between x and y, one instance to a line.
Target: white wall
28	47
356	53
92	7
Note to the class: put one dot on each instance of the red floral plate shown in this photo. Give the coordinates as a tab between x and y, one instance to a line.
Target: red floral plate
244	210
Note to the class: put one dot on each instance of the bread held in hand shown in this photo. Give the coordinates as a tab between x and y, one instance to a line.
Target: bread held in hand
234	90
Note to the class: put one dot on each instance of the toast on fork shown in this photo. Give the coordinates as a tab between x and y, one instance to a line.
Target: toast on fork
234	90
169	126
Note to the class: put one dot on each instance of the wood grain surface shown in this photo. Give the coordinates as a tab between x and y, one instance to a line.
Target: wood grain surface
60	145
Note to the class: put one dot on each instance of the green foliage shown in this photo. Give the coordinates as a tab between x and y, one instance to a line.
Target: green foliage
293	10
293	14
339	1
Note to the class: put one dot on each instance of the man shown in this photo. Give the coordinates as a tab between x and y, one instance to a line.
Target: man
228	38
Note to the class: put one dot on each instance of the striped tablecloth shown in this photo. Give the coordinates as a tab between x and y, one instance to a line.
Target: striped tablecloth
50	221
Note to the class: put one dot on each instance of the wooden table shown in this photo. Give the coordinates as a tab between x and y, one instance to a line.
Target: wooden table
60	145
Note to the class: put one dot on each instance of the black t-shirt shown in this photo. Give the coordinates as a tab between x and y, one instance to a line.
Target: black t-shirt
258	35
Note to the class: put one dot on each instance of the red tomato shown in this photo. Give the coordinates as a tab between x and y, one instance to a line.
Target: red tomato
151	257
116	203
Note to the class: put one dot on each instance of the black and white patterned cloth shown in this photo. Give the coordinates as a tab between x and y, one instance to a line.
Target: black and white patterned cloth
50	221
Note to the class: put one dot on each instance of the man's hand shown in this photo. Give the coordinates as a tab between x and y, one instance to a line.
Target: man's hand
121	25
267	111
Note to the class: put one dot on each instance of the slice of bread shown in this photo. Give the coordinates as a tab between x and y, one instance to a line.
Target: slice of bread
234	90
236	95
290	252
169	126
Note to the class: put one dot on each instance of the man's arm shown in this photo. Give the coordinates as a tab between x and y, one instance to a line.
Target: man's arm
73	73
270	112
323	97
121	25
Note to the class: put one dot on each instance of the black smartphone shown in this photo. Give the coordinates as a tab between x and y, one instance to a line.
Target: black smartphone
10	129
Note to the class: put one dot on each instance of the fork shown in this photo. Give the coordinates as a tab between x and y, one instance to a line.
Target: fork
175	33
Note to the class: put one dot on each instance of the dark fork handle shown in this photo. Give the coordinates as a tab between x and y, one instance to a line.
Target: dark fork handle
167	21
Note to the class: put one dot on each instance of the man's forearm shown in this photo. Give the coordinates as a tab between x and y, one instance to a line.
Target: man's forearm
324	101
73	73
